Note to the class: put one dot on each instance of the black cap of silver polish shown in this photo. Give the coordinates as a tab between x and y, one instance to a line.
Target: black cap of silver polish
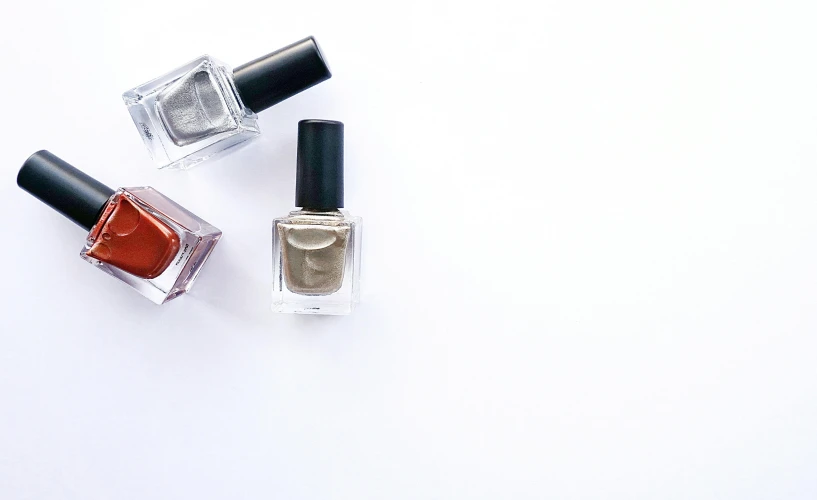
272	78
319	176
64	188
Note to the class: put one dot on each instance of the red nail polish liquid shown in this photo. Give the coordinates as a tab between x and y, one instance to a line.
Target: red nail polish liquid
137	235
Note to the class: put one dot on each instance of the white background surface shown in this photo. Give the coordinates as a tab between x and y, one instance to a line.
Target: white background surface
590	259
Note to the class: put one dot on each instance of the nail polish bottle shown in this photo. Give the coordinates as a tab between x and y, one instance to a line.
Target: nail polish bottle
136	235
205	107
316	250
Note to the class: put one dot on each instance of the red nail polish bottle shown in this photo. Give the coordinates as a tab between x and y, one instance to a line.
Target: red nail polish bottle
137	235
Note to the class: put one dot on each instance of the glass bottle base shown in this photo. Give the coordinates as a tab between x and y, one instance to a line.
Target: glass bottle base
338	309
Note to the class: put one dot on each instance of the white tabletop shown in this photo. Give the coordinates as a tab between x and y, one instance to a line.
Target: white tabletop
589	268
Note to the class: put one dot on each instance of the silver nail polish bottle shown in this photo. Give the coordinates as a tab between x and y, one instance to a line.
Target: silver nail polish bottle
204	107
316	250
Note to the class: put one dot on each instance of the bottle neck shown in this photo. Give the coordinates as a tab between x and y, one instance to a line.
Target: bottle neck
323	212
319	210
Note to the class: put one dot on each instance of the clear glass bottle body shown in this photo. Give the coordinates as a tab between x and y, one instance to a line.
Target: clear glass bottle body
316	262
150	242
191	114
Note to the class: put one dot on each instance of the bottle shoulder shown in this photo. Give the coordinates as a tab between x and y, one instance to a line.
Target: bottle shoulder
332	218
135	190
203	62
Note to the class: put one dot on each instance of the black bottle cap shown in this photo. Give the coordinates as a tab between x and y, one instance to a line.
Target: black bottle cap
70	192
280	75
319	179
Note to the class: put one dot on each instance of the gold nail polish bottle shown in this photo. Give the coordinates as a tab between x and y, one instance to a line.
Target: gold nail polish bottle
316	250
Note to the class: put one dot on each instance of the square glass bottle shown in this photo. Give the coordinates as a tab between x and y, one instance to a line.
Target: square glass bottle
204	108
191	114
316	251
317	262
136	235
190	238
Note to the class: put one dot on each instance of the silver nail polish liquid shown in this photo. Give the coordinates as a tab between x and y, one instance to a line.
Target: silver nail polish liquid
204	108
316	250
